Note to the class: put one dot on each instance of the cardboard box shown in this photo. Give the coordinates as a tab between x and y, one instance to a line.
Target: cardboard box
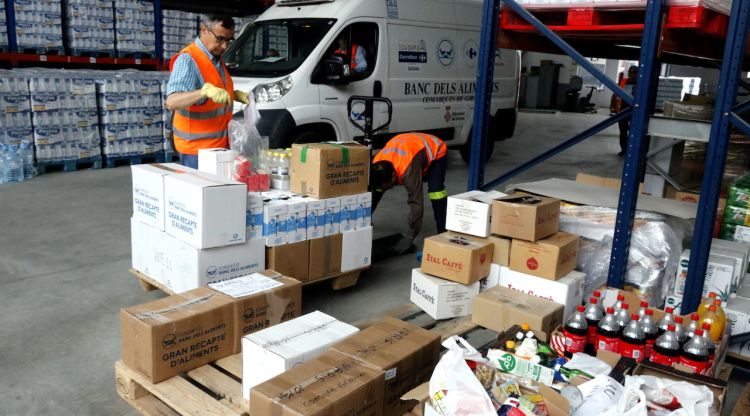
738	315
254	216
737	251
356	249
326	170
460	258
675	302
567	291
613	183
316	218
272	351
469	212
332	216
291	260
364	210
168	336
718	387
333	384
440	298
186	267
216	161
148	191
147	248
275	217
325	257
550	258
525	217
416	399
406	353
501	250
348	215
499	308
260	300
204	210
492	280
296	224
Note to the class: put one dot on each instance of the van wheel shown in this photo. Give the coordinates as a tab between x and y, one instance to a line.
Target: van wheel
487	153
503	125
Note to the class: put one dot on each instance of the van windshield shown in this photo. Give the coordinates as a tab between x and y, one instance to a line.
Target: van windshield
275	48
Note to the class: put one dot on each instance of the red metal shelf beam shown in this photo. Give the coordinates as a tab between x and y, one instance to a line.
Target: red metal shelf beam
79	60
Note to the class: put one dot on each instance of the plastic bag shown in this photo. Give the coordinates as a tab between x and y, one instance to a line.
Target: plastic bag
248	144
454	390
694	400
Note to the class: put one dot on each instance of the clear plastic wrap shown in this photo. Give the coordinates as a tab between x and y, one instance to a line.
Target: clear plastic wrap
655	248
245	139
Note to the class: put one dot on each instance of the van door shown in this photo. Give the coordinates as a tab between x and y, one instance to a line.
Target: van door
358	46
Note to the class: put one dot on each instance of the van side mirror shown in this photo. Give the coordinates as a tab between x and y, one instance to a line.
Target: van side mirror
335	72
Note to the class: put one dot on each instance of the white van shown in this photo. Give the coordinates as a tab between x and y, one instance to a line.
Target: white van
421	54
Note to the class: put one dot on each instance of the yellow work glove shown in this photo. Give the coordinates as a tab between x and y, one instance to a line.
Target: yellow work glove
215	94
241	97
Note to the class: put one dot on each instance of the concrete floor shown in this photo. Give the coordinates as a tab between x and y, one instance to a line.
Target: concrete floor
65	254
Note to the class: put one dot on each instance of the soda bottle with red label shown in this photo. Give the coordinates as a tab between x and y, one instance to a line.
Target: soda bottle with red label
643	309
667	348
680	331
694	324
633	339
575	331
695	353
651	330
608	333
620	301
666	320
710	344
623	316
594	314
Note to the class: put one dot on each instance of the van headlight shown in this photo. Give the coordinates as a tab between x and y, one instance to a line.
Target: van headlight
266	93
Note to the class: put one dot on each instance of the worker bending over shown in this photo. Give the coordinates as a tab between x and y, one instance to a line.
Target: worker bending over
409	159
200	91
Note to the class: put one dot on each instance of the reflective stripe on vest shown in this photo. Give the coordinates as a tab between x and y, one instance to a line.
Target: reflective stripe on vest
203	125
401	150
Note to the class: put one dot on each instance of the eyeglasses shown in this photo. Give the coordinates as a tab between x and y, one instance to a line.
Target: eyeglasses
221	39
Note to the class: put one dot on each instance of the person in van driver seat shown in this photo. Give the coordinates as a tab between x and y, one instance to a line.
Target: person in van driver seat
200	91
409	159
358	60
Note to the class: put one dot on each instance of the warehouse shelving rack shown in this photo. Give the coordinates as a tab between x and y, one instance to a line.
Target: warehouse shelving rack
656	46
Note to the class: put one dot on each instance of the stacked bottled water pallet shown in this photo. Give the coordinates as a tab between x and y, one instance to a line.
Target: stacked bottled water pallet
16	132
39	26
90	27
178	30
134	28
241	21
65	119
130	106
3	29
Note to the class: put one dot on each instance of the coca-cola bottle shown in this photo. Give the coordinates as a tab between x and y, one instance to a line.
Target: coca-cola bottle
651	330
666	320
594	313
694	324
623	316
597	294
642	310
710	344
608	333
633	339
576	331
695	353
682	335
620	301
667	348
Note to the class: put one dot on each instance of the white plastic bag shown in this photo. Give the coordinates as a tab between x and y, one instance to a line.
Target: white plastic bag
695	400
454	390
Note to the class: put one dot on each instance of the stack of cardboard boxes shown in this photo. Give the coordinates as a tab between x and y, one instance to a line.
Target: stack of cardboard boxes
497	240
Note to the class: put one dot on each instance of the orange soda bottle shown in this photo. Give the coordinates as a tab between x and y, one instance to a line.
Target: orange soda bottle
703	307
718	324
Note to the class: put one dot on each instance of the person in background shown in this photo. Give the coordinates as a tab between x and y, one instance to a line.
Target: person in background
200	91
409	159
355	57
617	105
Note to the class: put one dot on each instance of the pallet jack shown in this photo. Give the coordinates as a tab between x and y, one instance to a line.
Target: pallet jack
361	115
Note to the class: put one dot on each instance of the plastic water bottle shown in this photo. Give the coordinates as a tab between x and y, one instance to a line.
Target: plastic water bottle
27	152
3	165
14	167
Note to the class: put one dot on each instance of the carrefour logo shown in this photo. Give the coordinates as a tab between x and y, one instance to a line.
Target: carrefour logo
445	52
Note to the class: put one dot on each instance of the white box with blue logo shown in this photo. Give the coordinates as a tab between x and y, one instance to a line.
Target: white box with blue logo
204	210
254	215
364	210
296	226
356	249
148	249
316	218
332	216
148	191
348	213
275	216
186	268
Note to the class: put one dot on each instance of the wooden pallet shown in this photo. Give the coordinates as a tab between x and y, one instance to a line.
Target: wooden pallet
338	281
216	388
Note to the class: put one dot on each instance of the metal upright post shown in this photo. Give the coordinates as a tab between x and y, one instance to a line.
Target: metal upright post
10	14
158	46
645	94
483	98
723	118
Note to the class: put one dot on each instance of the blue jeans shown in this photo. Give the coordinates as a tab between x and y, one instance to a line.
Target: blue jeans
190	161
